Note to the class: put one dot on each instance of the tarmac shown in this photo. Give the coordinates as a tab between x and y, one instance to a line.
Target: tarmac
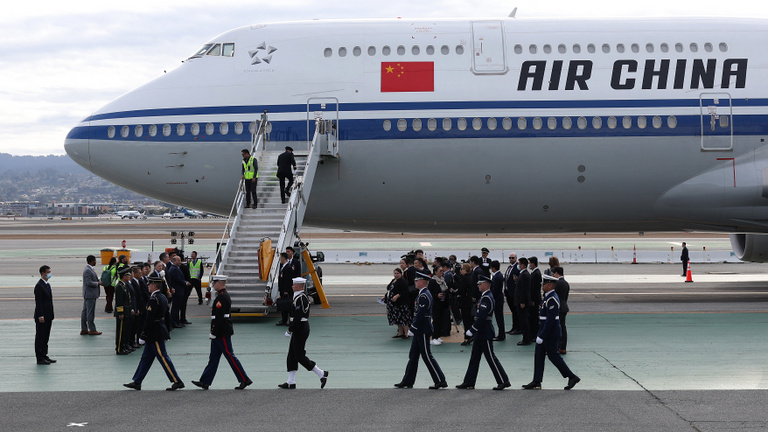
653	353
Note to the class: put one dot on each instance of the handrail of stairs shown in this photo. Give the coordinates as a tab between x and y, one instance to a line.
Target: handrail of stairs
258	139
294	215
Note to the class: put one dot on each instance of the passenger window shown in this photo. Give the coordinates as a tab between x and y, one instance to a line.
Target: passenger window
228	50
215	50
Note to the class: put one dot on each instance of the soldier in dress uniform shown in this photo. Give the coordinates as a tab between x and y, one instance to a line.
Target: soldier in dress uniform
123	311
153	338
549	338
221	341
484	333
421	330
298	332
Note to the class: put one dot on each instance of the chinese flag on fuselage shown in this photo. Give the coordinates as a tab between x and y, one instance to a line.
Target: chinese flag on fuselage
407	76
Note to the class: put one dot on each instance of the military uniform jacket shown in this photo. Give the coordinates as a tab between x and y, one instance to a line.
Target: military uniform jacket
221	325
483	325
549	317
123	301
422	319
155	328
299	312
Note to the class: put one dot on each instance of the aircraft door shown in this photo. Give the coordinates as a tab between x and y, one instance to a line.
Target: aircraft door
716	121
488	47
325	108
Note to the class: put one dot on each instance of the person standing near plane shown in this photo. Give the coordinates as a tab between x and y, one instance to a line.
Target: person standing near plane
177	285
510	281
43	316
298	332
196	275
483	331
523	301
286	164
221	340
250	177
91	291
123	312
421	330
684	258
497	290
563	290
548	339
108	277
535	299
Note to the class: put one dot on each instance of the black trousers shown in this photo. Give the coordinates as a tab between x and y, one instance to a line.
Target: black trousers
499	314
484	347
250	192
42	334
198	285
285	190
564	337
297	353
466	317
513	309
523	323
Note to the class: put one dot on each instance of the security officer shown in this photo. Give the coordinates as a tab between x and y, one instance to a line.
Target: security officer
250	177
549	338
298	332
196	275
153	338
221	341
483	331
123	312
421	330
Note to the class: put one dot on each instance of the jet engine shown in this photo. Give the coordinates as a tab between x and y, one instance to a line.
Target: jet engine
750	247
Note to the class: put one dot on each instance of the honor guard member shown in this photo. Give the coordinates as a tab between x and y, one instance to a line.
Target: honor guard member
153	338
123	310
549	338
250	177
421	330
484	333
298	332
221	338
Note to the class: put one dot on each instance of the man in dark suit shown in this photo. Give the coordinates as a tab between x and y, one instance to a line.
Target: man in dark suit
483	331
510	281
535	300
497	290
684	258
421	330
523	301
286	163
43	316
142	297
177	285
562	289
284	284
91	292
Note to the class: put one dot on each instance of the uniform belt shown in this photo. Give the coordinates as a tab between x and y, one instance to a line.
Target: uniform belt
214	316
545	318
302	320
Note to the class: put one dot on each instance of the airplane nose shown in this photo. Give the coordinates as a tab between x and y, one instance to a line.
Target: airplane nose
77	150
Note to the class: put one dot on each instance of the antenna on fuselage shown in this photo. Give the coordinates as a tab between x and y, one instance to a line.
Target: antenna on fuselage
513	13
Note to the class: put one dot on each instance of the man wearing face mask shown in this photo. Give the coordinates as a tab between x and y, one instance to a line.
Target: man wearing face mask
43	316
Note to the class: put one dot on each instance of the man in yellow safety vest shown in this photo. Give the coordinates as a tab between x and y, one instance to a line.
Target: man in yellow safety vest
250	177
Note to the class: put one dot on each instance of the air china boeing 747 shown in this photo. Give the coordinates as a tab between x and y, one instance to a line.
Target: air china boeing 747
467	125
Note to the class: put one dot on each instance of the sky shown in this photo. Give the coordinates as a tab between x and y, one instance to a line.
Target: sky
60	61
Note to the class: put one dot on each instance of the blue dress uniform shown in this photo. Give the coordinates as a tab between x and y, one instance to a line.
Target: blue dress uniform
422	331
548	341
154	335
221	343
483	331
299	329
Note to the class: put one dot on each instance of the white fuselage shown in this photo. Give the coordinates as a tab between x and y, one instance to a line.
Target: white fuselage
492	125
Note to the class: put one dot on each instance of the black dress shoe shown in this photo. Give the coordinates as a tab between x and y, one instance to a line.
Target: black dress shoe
43	362
285	385
324	379
437	386
466	342
516	332
397	336
177	385
123	352
243	384
185	322
200	384
498	339
133	385
199	302
403	385
524	343
280	323
50	360
502	386
533	385
572	381
465	386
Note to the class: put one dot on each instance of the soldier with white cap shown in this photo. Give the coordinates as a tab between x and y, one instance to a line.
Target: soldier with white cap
221	340
298	332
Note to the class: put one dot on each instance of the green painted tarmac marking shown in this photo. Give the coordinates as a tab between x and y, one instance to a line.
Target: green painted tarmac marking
692	351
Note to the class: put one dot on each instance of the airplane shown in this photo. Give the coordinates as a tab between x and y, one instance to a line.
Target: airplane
193	214
495	125
131	214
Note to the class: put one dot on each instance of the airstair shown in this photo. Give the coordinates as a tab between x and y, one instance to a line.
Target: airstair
272	224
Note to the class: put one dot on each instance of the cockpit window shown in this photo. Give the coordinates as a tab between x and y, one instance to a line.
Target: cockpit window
228	50
215	50
218	49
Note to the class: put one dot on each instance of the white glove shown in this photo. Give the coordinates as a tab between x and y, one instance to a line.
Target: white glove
539	340
211	336
468	333
410	333
288	334
141	341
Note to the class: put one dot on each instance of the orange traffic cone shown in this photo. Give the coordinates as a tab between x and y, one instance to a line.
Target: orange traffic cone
634	254
688	277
